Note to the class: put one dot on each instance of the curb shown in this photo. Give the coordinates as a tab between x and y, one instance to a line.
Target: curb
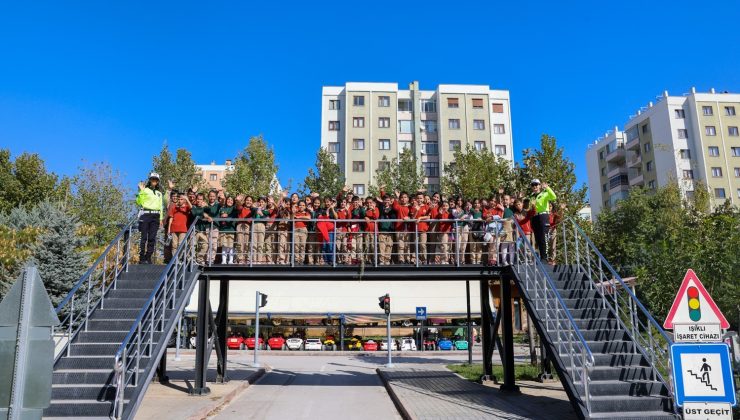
394	397
217	405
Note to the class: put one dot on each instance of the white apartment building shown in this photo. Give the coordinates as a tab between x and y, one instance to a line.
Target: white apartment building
688	138
367	125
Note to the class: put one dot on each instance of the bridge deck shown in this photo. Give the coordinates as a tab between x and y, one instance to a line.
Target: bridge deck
354	273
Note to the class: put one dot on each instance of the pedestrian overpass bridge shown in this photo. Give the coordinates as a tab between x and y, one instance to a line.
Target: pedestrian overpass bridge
610	354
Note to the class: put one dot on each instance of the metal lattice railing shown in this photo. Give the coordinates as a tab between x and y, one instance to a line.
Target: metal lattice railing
555	316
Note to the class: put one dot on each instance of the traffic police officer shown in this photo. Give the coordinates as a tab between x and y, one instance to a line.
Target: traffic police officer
151	216
543	194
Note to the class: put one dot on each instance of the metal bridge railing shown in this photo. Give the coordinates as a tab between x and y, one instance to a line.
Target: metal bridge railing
553	312
140	341
649	337
89	293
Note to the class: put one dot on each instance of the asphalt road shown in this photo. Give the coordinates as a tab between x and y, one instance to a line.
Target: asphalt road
321	387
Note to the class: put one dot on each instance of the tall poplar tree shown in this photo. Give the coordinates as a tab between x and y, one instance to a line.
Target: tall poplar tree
327	180
255	170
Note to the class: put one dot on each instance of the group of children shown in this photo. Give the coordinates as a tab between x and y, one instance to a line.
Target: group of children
347	229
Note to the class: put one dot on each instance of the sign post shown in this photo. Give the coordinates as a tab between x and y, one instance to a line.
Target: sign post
421	315
701	370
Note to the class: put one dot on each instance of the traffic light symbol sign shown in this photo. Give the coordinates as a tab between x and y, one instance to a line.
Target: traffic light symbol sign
692	295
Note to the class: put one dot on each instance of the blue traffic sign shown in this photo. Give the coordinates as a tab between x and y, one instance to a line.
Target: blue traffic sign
421	313
702	373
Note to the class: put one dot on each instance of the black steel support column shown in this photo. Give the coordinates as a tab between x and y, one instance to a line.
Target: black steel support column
341	333
485	312
162	369
201	347
546	374
507	333
469	331
222	319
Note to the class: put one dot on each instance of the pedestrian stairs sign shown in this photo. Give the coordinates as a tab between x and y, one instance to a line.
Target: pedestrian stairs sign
702	373
694	317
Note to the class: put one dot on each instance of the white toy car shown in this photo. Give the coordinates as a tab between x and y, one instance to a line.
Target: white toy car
294	343
408	344
313	344
384	345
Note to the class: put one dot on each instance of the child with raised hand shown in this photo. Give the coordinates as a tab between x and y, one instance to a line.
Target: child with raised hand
227	229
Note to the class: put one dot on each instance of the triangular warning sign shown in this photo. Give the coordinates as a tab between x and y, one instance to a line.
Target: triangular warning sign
693	305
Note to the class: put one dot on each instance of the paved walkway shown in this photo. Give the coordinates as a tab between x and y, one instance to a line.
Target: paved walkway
432	392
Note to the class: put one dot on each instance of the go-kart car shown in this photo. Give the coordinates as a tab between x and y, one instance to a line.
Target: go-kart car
312	344
276	342
444	344
294	343
408	344
430	344
460	344
354	343
370	345
235	342
384	345
329	343
249	342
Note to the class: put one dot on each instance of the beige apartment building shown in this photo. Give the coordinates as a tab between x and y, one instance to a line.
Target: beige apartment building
689	139
214	174
367	125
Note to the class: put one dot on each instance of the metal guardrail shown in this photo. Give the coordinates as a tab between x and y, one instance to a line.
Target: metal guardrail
558	322
649	337
139	343
89	292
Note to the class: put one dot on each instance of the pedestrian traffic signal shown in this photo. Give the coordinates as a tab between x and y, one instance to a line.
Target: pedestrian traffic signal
263	300
692	294
385	303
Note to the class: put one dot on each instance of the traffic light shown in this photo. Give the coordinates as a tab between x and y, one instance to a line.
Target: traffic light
263	300
385	303
692	293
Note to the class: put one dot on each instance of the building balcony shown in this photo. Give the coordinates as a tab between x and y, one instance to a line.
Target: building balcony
633	144
617	155
618	170
618	183
634	161
637	181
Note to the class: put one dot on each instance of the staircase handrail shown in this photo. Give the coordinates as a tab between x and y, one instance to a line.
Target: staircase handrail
99	278
147	318
588	359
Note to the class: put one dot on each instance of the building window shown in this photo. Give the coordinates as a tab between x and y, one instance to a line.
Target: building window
730	111
477	103
688	174
384	144
358	100
710	130
685	153
431	169
649	166
645	128
683	133
738	193
334	147
719	193
737	172
735	151
213	177
358	166
358	122
499	129
716	172
707	110
651	184
453	103
405	126
430	148
404	105
603	171
384	101
383	165
713	151
680	114
358	189
384	122
479	125
453	124
601	154
334	104
500	150
404	145
479	145
647	147
497	108
428	105
732	131
358	144
430	126
603	188
455	145
333	125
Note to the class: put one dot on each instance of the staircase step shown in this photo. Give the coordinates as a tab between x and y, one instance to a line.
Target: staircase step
73	408
626	373
579	294
597	323
115	314
617	404
100	337
620	359
130	293
87	392
590	313
603	335
583	303
626	388
125	303
110	325
85	362
611	346
136	284
636	415
89	377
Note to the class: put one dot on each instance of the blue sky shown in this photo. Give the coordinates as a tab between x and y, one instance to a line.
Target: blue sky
92	81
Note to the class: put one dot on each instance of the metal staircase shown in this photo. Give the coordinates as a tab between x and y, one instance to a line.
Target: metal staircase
610	354
116	323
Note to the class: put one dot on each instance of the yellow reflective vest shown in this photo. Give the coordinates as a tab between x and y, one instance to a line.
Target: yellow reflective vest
152	200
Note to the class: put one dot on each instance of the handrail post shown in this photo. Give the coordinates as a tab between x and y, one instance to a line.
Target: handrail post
251	243
578	253
69	327
210	247
333	246
87	309
565	241
586	387
292	247
115	272
375	242
416	242
457	245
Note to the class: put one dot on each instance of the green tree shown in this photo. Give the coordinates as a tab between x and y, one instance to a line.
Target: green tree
403	174
164	165
180	169
327	180
255	170
477	173
99	201
15	250
26	181
549	164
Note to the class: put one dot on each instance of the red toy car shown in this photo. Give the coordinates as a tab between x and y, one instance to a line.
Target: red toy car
235	342
249	342
276	342
370	345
